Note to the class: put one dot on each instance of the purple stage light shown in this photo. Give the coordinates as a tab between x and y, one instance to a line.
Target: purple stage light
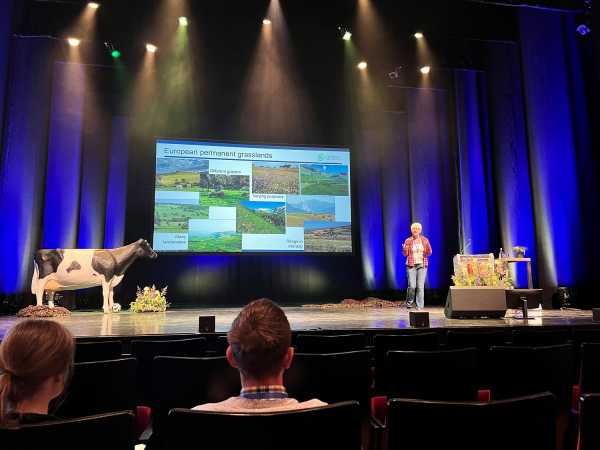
583	29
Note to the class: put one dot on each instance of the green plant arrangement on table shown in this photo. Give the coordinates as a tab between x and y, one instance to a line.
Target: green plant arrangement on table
473	271
150	299
519	251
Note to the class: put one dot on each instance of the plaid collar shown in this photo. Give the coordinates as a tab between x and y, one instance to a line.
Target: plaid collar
268	392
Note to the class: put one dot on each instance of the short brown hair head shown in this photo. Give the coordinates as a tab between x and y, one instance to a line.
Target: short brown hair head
260	337
32	352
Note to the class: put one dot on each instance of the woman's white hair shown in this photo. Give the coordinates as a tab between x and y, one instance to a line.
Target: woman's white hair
416	225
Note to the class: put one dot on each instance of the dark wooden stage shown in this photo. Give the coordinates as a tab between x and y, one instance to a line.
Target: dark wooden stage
185	321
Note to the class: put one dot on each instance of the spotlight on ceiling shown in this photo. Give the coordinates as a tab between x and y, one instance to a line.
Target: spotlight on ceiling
116	54
93	5
583	29
183	21
151	48
425	70
74	42
266	22
362	65
347	36
419	35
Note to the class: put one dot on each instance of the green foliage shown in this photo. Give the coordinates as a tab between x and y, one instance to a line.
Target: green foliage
150	299
219	242
319	183
260	222
174	218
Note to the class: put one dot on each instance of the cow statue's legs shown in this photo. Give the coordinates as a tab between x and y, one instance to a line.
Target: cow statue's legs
110	297
106	290
51	299
39	295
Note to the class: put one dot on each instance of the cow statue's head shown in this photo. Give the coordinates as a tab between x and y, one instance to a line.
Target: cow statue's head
145	251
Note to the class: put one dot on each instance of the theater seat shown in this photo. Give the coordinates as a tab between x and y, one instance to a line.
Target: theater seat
336	426
100	432
589	429
100	387
525	423
97	350
330	343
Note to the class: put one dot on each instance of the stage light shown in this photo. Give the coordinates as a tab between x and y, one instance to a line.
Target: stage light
183	21
93	5
425	70
116	54
419	35
73	42
347	36
151	48
266	22
583	29
362	65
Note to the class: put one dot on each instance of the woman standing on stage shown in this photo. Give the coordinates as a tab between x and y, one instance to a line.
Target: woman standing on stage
416	249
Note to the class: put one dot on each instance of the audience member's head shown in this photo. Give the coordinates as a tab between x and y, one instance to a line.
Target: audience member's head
260	341
36	359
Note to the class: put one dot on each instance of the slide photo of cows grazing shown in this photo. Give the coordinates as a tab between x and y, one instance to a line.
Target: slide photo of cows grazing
261	217
327	236
324	179
301	208
275	178
223	190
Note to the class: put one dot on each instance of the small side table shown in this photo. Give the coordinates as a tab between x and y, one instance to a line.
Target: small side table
525	260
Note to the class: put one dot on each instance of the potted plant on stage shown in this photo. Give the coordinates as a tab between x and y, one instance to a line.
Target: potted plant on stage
150	299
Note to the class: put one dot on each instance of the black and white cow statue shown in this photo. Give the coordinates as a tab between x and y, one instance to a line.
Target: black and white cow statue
69	269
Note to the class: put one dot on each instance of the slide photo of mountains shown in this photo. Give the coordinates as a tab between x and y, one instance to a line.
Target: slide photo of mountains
223	190
332	237
261	217
301	208
323	179
275	178
214	236
171	218
179	174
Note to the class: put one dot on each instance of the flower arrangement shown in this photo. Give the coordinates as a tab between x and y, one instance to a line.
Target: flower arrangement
150	299
519	251
482	272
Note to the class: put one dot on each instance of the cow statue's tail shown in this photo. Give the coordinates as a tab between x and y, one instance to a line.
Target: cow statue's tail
35	278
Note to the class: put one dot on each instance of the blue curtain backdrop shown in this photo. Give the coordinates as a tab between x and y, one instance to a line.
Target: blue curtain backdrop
63	172
497	158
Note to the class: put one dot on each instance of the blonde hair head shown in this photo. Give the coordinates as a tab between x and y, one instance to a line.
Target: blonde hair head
416	225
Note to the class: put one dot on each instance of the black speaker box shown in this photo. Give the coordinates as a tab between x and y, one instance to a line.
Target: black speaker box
475	302
206	324
418	319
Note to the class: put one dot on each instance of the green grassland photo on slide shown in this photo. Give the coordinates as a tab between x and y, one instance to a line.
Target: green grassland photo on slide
216	242
301	208
261	217
223	190
323	179
171	218
179	174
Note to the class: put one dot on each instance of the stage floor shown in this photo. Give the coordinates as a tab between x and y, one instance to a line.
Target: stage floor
125	323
